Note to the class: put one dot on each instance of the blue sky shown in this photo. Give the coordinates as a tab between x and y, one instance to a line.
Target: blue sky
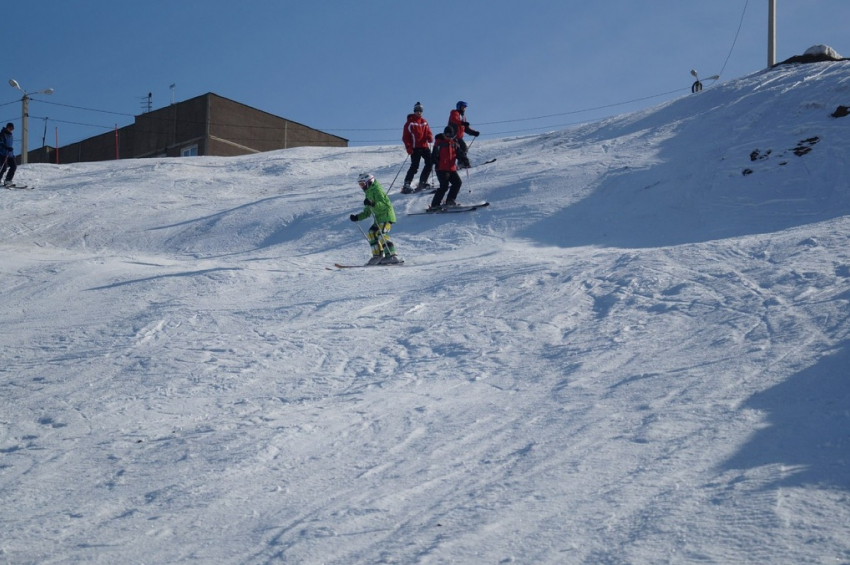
356	69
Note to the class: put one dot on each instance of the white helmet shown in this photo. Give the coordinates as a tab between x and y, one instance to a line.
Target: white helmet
365	178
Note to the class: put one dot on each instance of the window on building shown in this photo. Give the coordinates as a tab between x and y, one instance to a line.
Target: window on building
191	151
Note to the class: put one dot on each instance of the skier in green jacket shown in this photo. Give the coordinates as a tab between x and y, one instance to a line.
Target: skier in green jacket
377	204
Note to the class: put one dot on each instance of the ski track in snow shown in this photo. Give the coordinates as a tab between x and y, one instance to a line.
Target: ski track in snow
637	354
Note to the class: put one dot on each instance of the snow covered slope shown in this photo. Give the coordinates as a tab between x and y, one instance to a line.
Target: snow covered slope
637	354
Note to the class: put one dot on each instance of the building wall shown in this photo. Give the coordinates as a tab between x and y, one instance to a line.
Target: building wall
238	125
216	125
160	133
98	148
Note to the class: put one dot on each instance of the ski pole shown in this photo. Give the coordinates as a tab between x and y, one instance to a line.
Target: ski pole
398	173
366	236
381	239
433	167
382	243
361	231
468	190
3	169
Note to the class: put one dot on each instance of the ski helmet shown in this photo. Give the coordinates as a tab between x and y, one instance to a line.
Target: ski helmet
449	132
365	178
418	107
461	105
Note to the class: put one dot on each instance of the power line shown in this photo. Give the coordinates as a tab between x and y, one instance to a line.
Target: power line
586	109
71	123
82	108
740	25
328	130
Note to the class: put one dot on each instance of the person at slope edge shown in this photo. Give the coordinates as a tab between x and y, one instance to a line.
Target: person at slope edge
7	153
377	204
417	140
457	119
446	154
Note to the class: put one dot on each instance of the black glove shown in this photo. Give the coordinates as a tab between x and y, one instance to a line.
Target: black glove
472	132
465	124
353	217
368	202
464	163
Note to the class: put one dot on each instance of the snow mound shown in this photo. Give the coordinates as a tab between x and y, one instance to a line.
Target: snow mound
815	54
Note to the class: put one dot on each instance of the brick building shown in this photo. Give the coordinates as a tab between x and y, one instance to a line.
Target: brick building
204	125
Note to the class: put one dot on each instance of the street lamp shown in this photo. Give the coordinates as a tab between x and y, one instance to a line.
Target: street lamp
697	86
25	103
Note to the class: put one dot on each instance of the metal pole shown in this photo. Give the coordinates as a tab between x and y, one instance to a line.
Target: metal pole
398	173
25	127
771	34
361	231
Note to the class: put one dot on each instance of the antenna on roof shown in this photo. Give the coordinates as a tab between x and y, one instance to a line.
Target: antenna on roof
147	103
173	85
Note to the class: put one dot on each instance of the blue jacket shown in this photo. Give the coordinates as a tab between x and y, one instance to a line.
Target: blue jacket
6	143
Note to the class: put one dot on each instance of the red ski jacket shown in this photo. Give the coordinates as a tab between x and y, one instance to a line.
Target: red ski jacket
417	133
446	153
456	121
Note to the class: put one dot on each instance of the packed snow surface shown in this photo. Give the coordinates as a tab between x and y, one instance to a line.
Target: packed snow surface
638	353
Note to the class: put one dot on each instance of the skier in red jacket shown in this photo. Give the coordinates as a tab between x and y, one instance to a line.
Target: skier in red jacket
417	139
457	120
447	152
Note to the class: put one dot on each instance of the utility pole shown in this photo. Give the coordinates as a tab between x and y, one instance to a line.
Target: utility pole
771	34
25	114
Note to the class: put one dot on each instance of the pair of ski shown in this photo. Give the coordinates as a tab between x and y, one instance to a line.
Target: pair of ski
340	266
455	209
450	209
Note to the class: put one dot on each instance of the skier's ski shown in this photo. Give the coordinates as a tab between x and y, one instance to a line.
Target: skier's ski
340	266
18	187
418	190
481	164
451	209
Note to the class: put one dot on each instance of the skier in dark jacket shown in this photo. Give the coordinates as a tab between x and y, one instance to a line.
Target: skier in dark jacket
7	153
447	153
